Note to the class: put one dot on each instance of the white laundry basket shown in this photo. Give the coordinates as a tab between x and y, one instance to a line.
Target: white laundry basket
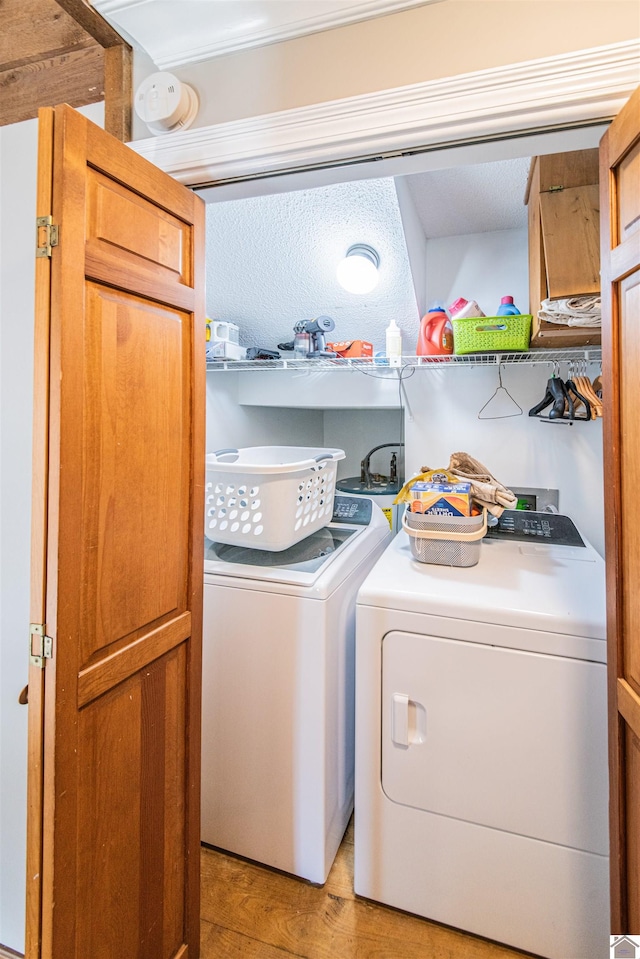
445	540
269	497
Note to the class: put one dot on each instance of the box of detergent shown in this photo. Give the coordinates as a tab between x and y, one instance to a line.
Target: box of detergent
441	499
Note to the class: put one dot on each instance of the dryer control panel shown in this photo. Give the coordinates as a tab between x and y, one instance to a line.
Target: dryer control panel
354	510
543	527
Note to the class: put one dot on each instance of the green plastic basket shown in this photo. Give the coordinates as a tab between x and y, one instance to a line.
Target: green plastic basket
478	334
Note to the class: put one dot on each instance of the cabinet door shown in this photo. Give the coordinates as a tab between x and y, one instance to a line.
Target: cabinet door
620	248
570	222
114	713
564	257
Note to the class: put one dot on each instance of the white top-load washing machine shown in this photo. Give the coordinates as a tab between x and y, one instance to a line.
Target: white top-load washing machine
278	691
481	739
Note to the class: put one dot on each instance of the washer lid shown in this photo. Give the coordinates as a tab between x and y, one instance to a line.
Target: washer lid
307	555
532	585
300	565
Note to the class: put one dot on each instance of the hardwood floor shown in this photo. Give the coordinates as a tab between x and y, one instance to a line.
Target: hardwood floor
250	912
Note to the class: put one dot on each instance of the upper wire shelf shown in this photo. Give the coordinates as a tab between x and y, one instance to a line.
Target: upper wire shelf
590	354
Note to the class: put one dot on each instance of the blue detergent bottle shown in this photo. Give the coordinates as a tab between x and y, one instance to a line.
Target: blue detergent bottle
507	307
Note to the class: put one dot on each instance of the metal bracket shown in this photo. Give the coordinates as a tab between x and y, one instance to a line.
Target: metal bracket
46	235
40	645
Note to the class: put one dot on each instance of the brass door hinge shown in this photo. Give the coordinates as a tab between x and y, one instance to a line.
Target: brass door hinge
40	645
46	235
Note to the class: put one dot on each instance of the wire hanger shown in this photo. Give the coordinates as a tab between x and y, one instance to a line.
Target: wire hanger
494	397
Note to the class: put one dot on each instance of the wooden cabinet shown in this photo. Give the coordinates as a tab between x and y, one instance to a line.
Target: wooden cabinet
564	240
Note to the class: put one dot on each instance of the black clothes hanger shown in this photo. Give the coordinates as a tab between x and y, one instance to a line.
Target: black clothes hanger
560	396
571	388
557	397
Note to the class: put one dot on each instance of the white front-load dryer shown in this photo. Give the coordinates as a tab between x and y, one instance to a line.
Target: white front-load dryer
278	691
481	741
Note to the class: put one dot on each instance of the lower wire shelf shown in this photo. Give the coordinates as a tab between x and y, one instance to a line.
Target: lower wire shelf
573	355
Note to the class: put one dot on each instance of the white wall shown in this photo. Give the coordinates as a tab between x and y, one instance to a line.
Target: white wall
18	157
314	388
232	426
480	266
426	43
444	404
416	242
17	209
519	451
356	431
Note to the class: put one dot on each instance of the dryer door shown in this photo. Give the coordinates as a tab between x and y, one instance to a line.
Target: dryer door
508	739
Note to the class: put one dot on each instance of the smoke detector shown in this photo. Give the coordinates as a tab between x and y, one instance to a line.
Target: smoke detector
166	104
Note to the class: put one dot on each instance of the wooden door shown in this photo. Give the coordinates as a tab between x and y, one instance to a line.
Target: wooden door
114	714
620	267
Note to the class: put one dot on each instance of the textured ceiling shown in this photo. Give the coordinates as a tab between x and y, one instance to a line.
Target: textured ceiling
271	260
471	199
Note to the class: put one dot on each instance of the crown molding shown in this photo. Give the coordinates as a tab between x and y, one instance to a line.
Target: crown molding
587	86
6	953
200	38
113	7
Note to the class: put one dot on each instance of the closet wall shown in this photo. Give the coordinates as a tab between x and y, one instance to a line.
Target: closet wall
230	424
255	409
18	153
519	450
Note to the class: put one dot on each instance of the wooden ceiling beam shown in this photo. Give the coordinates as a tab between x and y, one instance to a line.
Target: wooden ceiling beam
118	70
91	21
34	30
48	53
62	51
118	66
76	78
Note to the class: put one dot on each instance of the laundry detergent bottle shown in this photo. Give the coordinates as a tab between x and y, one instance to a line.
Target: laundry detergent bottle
436	333
507	307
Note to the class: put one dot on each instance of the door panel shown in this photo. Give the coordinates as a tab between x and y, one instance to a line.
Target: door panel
134	508
629	311
620	270
632	839
124	546
122	224
628	176
124	819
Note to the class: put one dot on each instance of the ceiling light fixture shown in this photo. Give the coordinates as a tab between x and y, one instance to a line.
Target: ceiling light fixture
358	272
